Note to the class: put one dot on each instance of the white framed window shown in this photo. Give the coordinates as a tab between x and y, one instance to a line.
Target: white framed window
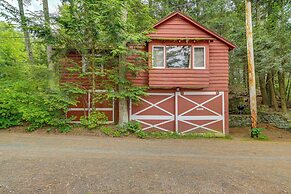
199	61
178	57
171	57
158	57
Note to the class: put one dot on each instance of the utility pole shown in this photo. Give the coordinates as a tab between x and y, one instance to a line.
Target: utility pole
251	64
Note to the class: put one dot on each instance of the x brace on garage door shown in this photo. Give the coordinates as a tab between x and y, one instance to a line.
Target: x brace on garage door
151	120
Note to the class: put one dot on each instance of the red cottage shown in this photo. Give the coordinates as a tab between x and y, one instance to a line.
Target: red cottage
187	77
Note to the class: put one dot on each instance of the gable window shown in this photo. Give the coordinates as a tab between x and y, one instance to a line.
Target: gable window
199	57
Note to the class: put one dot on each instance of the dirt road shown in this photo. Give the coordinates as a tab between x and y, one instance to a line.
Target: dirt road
31	163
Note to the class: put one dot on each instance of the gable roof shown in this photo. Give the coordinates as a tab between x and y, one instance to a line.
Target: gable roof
198	25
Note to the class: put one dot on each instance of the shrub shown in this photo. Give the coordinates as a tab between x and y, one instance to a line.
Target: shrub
9	114
107	130
256	132
129	128
94	120
123	130
24	97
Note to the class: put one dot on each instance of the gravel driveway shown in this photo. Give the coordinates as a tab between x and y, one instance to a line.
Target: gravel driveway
31	163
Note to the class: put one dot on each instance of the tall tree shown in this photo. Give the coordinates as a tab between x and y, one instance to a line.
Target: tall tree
104	38
48	31
123	103
251	64
25	31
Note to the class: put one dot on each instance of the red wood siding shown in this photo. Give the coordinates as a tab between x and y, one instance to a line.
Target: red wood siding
182	111
178	27
216	58
141	79
218	66
185	78
73	60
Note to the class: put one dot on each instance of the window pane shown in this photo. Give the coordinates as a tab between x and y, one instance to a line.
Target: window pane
158	57
199	57
178	56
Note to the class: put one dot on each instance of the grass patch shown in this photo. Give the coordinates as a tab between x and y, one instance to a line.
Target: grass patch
256	133
134	129
169	135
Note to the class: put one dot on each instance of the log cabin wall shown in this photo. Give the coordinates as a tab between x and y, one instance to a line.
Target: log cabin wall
205	90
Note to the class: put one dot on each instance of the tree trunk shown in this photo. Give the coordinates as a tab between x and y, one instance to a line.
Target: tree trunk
281	80
274	102
245	77
25	32
262	83
123	106
51	66
268	88
288	88
251	64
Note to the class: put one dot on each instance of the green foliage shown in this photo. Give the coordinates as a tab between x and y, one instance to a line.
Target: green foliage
122	130
12	49
109	31
263	137
9	114
107	130
24	97
134	128
256	132
131	127
94	120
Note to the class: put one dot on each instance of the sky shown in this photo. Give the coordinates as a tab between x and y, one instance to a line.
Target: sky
36	5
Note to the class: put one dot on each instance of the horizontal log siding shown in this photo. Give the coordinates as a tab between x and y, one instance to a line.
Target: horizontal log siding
218	66
185	78
216	73
73	60
142	77
178	27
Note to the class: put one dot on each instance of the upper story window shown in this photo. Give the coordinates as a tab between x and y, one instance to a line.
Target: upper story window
199	57
178	57
158	56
